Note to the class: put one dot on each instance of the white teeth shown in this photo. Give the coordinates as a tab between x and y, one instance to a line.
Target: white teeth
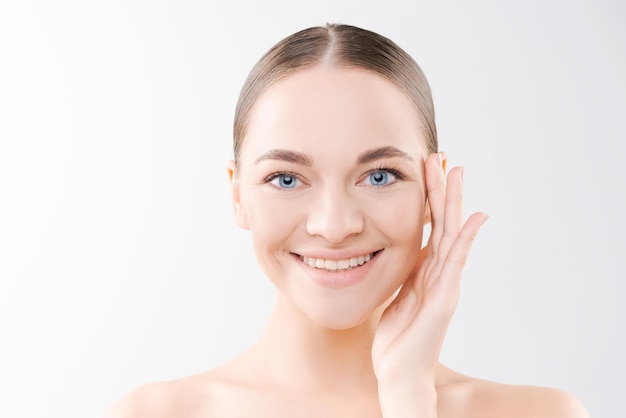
334	265
343	264
331	265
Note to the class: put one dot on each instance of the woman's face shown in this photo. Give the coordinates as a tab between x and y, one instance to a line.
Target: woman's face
330	184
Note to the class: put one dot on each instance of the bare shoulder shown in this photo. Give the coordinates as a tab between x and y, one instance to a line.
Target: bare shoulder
187	397
469	397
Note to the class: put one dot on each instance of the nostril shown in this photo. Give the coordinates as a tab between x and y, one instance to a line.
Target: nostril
335	226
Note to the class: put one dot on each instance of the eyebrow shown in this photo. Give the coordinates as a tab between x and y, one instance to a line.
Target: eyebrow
304	159
286	155
380	153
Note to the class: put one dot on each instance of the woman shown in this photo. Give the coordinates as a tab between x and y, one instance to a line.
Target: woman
336	171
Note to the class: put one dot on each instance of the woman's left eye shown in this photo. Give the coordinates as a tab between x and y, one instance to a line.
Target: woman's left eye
381	178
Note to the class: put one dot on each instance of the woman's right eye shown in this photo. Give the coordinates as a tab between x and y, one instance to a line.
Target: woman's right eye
284	180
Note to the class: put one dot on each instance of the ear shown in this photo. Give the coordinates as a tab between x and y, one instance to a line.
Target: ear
427	214
241	216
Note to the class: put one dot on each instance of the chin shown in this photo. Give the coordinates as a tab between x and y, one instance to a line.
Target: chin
340	324
346	318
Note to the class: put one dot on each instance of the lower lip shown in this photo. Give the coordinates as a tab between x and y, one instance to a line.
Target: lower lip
338	278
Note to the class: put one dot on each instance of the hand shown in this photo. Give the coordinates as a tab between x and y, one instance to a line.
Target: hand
411	331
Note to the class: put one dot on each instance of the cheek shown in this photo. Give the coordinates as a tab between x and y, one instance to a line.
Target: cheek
272	219
400	216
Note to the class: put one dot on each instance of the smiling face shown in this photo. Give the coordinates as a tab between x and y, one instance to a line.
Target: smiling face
330	183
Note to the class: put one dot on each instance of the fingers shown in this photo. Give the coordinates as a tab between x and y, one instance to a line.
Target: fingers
452	270
435	189
451	239
453	212
445	200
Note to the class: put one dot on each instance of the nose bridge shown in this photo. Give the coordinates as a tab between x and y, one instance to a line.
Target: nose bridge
335	214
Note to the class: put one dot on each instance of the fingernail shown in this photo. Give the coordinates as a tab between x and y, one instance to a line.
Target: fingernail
463	173
484	219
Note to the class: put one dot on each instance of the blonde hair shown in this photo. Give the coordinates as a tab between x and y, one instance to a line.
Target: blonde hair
341	46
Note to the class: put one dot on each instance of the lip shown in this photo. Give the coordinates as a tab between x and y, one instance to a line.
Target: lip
338	278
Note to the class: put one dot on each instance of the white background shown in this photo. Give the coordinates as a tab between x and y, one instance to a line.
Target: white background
120	263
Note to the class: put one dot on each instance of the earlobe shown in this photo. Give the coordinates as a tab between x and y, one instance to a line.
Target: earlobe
241	216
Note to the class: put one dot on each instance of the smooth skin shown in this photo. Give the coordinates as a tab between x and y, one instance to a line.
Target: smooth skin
333	166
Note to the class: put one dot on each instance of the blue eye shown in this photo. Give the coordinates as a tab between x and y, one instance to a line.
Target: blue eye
378	178
284	181
383	177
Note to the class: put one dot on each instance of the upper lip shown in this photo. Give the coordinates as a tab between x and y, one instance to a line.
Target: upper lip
335	254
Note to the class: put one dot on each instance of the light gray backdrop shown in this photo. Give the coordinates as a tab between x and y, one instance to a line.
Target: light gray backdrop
120	263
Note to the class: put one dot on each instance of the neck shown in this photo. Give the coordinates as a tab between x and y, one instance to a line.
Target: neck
293	348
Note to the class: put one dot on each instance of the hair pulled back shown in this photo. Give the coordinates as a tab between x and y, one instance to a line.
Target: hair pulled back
341	46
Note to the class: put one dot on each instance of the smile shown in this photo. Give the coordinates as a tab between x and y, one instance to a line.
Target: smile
338	265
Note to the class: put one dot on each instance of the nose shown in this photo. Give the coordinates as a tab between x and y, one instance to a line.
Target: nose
335	215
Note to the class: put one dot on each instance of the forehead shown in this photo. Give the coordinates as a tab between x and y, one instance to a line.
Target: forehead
325	108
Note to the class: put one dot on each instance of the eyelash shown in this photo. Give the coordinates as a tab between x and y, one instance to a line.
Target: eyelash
395	172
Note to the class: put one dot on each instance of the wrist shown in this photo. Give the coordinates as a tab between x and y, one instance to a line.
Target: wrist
408	402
